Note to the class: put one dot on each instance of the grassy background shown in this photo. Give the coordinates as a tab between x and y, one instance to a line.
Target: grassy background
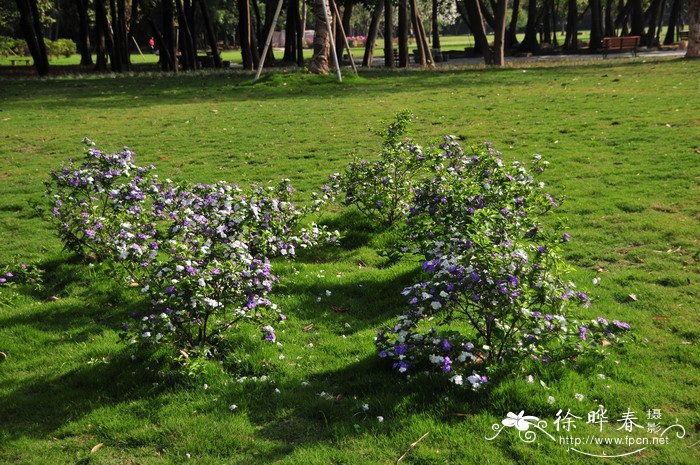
622	138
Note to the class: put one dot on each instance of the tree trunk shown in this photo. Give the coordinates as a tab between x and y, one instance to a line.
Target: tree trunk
435	26
43	56
169	37
185	41
476	22
347	17
32	37
652	14
512	33
500	32
694	29
83	33
546	22
403	34
571	40
596	38
100	35
372	34
322	39
246	36
300	33
123	35
290	32
529	43
211	37
672	22
637	18
609	25
388	35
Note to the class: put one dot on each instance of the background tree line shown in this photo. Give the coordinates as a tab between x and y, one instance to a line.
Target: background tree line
107	31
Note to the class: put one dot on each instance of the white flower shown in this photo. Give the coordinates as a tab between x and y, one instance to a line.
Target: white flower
530	379
232	407
318	299
551	400
277	391
206	386
579	397
436	305
365	407
328	293
601	376
281	357
380	418
304	383
596	281
457	379
520	421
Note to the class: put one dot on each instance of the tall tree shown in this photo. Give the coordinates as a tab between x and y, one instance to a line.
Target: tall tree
512	32
211	37
694	29
30	24
83	42
435	25
372	33
596	37
529	43
672	22
493	54
571	40
388	35
322	39
403	34
637	18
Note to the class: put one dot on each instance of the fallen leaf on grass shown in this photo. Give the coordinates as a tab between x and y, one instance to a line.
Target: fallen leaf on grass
96	448
633	297
163	157
308	327
54	298
4	175
335	309
3	356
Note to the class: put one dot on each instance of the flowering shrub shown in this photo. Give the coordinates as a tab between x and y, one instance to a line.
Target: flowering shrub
200	253
381	189
492	271
22	275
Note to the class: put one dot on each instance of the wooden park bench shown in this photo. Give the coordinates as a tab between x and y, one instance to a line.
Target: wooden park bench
619	44
15	60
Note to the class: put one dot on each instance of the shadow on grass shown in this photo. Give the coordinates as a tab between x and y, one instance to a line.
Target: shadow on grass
162	89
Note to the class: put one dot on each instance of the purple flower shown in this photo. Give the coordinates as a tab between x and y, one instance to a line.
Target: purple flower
446	365
268	333
621	324
582	332
602	321
170	290
90	232
446	345
541	248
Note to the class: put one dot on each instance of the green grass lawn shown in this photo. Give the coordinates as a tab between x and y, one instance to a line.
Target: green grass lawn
623	141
